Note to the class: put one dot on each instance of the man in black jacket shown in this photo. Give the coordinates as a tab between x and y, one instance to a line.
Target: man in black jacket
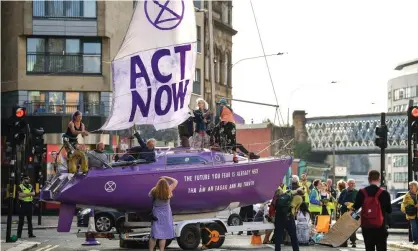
375	237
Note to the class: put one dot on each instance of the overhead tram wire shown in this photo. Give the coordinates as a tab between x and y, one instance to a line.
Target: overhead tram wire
268	68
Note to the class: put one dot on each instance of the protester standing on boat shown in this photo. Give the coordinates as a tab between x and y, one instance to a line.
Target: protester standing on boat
227	131
202	119
186	132
162	228
409	208
76	127
346	200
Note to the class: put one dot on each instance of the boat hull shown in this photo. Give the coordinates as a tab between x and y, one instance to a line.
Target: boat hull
201	188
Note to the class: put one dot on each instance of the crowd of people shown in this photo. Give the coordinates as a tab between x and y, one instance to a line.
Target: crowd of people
200	132
295	209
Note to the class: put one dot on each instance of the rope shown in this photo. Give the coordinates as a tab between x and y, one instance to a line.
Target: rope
267	65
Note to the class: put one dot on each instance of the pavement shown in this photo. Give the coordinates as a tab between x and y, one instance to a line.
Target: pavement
48	239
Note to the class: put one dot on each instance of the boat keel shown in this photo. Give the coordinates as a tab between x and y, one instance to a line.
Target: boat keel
66	217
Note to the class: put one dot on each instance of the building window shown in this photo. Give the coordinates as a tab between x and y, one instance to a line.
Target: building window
230	13
389	95
64	55
199	39
400	161
91	102
226	70
197	82
207	69
63	102
64	9
400	177
197	4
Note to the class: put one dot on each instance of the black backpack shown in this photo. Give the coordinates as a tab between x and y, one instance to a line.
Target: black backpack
283	202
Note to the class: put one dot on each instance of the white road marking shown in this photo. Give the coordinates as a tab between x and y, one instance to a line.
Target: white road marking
42	248
49	249
270	246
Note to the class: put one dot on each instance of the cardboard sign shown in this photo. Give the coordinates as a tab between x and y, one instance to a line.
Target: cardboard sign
341	231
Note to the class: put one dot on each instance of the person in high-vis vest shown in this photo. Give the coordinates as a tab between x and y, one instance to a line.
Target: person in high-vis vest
315	204
25	193
346	200
306	184
282	186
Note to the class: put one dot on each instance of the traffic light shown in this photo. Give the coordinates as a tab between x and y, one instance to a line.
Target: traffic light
38	141
413	119
381	137
18	125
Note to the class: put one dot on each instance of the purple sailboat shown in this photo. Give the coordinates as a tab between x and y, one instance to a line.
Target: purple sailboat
208	182
151	86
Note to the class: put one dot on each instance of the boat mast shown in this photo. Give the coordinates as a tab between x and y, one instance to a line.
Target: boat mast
211	57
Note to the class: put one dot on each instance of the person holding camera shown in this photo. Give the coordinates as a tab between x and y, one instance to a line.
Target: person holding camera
409	207
162	228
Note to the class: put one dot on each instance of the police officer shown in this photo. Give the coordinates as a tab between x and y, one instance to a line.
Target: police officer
26	193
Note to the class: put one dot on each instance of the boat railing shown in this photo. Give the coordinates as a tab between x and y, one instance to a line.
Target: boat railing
280	148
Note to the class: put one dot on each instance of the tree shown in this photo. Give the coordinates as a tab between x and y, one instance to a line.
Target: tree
302	150
267	120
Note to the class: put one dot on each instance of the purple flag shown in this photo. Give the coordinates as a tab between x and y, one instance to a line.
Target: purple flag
238	119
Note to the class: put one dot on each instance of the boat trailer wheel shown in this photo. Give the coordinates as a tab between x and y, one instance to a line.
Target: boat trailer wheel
213	236
189	238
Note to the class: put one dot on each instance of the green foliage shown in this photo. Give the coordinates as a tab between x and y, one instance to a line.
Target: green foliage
302	150
167	135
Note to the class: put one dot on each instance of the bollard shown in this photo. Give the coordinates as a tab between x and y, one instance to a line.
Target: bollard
90	239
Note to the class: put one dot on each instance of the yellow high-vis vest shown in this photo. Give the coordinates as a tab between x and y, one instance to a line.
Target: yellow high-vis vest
26	190
315	208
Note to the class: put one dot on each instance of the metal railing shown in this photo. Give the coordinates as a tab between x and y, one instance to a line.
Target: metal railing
43	108
61	9
57	63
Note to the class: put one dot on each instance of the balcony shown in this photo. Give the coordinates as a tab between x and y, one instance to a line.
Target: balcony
60	9
49	108
63	64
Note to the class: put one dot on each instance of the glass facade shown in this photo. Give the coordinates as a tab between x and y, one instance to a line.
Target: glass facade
63	55
64	9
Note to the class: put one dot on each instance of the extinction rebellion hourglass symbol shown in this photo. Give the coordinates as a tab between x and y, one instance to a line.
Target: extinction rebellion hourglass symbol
167	18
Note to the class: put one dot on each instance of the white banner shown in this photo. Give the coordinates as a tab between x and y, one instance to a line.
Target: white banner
153	71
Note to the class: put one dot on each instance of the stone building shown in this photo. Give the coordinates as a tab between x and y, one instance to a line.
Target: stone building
222	37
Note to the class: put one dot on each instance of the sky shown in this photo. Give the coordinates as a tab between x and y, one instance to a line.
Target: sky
355	43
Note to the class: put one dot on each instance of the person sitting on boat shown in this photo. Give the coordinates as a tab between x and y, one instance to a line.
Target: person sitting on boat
97	157
202	118
227	131
147	150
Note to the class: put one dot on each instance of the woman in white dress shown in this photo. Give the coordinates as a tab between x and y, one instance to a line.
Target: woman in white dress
303	230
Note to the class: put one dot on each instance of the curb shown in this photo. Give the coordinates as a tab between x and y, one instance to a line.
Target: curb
34	228
24	246
402	246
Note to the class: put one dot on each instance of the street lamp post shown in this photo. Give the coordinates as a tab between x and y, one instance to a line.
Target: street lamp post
244	59
291	96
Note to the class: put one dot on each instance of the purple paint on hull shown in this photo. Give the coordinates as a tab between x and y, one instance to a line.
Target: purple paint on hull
128	188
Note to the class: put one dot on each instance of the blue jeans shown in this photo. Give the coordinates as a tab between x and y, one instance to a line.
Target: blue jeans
414	228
